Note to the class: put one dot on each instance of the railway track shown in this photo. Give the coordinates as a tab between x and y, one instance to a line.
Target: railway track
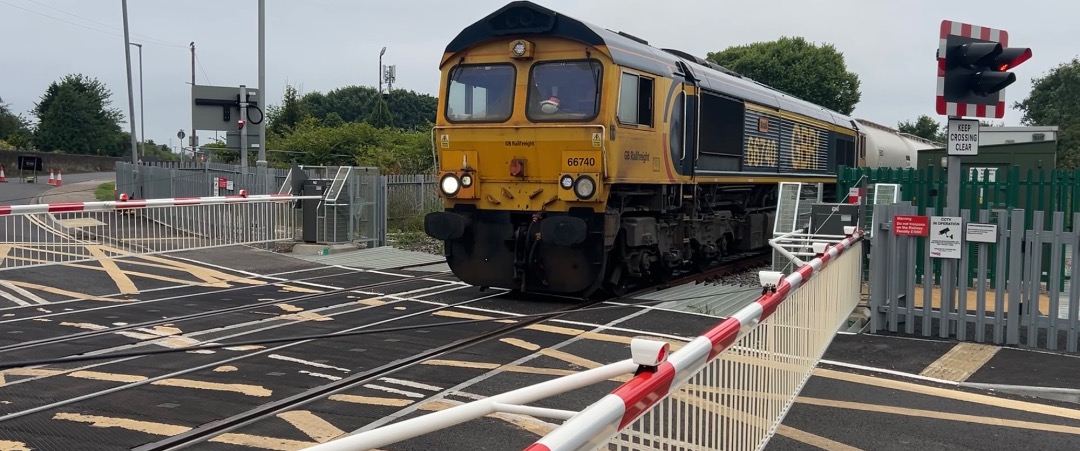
371	370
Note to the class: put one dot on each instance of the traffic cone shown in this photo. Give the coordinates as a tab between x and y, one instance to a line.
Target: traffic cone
52	177
3	178
59	178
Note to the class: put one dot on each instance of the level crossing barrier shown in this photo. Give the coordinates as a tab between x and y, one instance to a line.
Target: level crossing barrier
70	232
728	389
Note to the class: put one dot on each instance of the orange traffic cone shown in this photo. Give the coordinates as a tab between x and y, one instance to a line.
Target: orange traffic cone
3	178
59	178
52	177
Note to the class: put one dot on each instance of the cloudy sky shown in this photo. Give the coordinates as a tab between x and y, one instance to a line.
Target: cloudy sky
319	45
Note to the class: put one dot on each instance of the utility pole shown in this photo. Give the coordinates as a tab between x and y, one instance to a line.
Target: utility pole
243	133
142	101
261	162
194	138
130	90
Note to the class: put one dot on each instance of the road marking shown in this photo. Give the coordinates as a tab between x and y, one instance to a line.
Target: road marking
225	369
121	279
87	326
553	353
306	316
813	440
168	430
947	393
289	308
510	368
203	273
558	330
410	384
12	297
528	423
324	376
109	377
70	294
371	400
305	362
960	362
245	389
23	292
295	289
315	427
920	413
394	391
8	445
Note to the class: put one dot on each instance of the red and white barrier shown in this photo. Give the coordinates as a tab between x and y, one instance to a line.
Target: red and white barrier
603	420
124	204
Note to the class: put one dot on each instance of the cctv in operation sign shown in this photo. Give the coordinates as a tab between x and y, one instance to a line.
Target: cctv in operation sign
963	137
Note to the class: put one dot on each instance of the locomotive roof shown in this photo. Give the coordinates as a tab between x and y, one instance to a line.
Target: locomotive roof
635	53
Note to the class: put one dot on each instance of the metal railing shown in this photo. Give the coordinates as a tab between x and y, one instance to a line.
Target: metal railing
46	234
727	389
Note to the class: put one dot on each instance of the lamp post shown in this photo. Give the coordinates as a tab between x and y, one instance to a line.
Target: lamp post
381	53
142	108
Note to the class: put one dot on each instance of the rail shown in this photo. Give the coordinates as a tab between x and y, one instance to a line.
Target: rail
71	232
726	389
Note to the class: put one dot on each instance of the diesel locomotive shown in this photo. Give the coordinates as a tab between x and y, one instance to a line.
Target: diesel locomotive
573	159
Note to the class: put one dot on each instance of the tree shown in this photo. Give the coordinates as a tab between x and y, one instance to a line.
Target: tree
1055	100
13	127
74	115
925	127
282	119
797	67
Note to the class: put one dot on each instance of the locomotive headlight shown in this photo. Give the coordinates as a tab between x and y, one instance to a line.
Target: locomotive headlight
567	181
449	184
584	187
466	180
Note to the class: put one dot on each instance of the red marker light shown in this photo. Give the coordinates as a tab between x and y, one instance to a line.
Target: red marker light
240	123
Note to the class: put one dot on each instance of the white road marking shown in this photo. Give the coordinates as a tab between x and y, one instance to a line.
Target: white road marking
394	391
24	292
305	362
12	297
410	384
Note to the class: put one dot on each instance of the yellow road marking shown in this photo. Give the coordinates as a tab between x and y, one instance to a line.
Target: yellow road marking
295	289
87	326
374	302
960	362
218	284
225	369
254	441
246	389
4	250
520	343
8	445
920	413
813	440
289	308
950	394
371	400
122	281
205	274
110	377
528	423
306	316
310	424
558	330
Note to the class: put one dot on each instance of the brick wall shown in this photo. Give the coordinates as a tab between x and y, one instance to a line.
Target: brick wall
68	163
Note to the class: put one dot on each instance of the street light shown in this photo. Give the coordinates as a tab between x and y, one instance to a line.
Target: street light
381	53
142	109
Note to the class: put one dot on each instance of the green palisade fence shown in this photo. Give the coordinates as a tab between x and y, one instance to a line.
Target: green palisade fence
1029	190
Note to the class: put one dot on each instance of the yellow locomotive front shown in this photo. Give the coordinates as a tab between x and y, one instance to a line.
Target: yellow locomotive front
521	144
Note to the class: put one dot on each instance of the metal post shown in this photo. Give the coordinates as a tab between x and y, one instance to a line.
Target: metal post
261	162
381	52
950	268
142	100
243	133
131	95
194	135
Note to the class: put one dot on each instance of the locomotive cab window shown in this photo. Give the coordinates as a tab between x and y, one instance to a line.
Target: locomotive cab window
480	93
564	91
635	100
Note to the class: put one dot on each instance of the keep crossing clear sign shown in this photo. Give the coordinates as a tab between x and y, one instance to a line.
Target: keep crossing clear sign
963	137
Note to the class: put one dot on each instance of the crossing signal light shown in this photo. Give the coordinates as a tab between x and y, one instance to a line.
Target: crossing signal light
240	124
976	70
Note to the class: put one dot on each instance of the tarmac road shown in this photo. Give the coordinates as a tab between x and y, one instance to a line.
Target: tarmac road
14	192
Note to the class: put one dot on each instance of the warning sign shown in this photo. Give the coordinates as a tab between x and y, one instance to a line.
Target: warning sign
945	235
596	138
911	225
445	141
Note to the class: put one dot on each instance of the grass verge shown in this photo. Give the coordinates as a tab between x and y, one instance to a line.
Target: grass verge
105	191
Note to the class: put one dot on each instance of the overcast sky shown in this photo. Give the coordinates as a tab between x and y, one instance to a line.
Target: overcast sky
319	45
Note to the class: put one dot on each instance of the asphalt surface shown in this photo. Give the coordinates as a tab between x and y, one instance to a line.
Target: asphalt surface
15	193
